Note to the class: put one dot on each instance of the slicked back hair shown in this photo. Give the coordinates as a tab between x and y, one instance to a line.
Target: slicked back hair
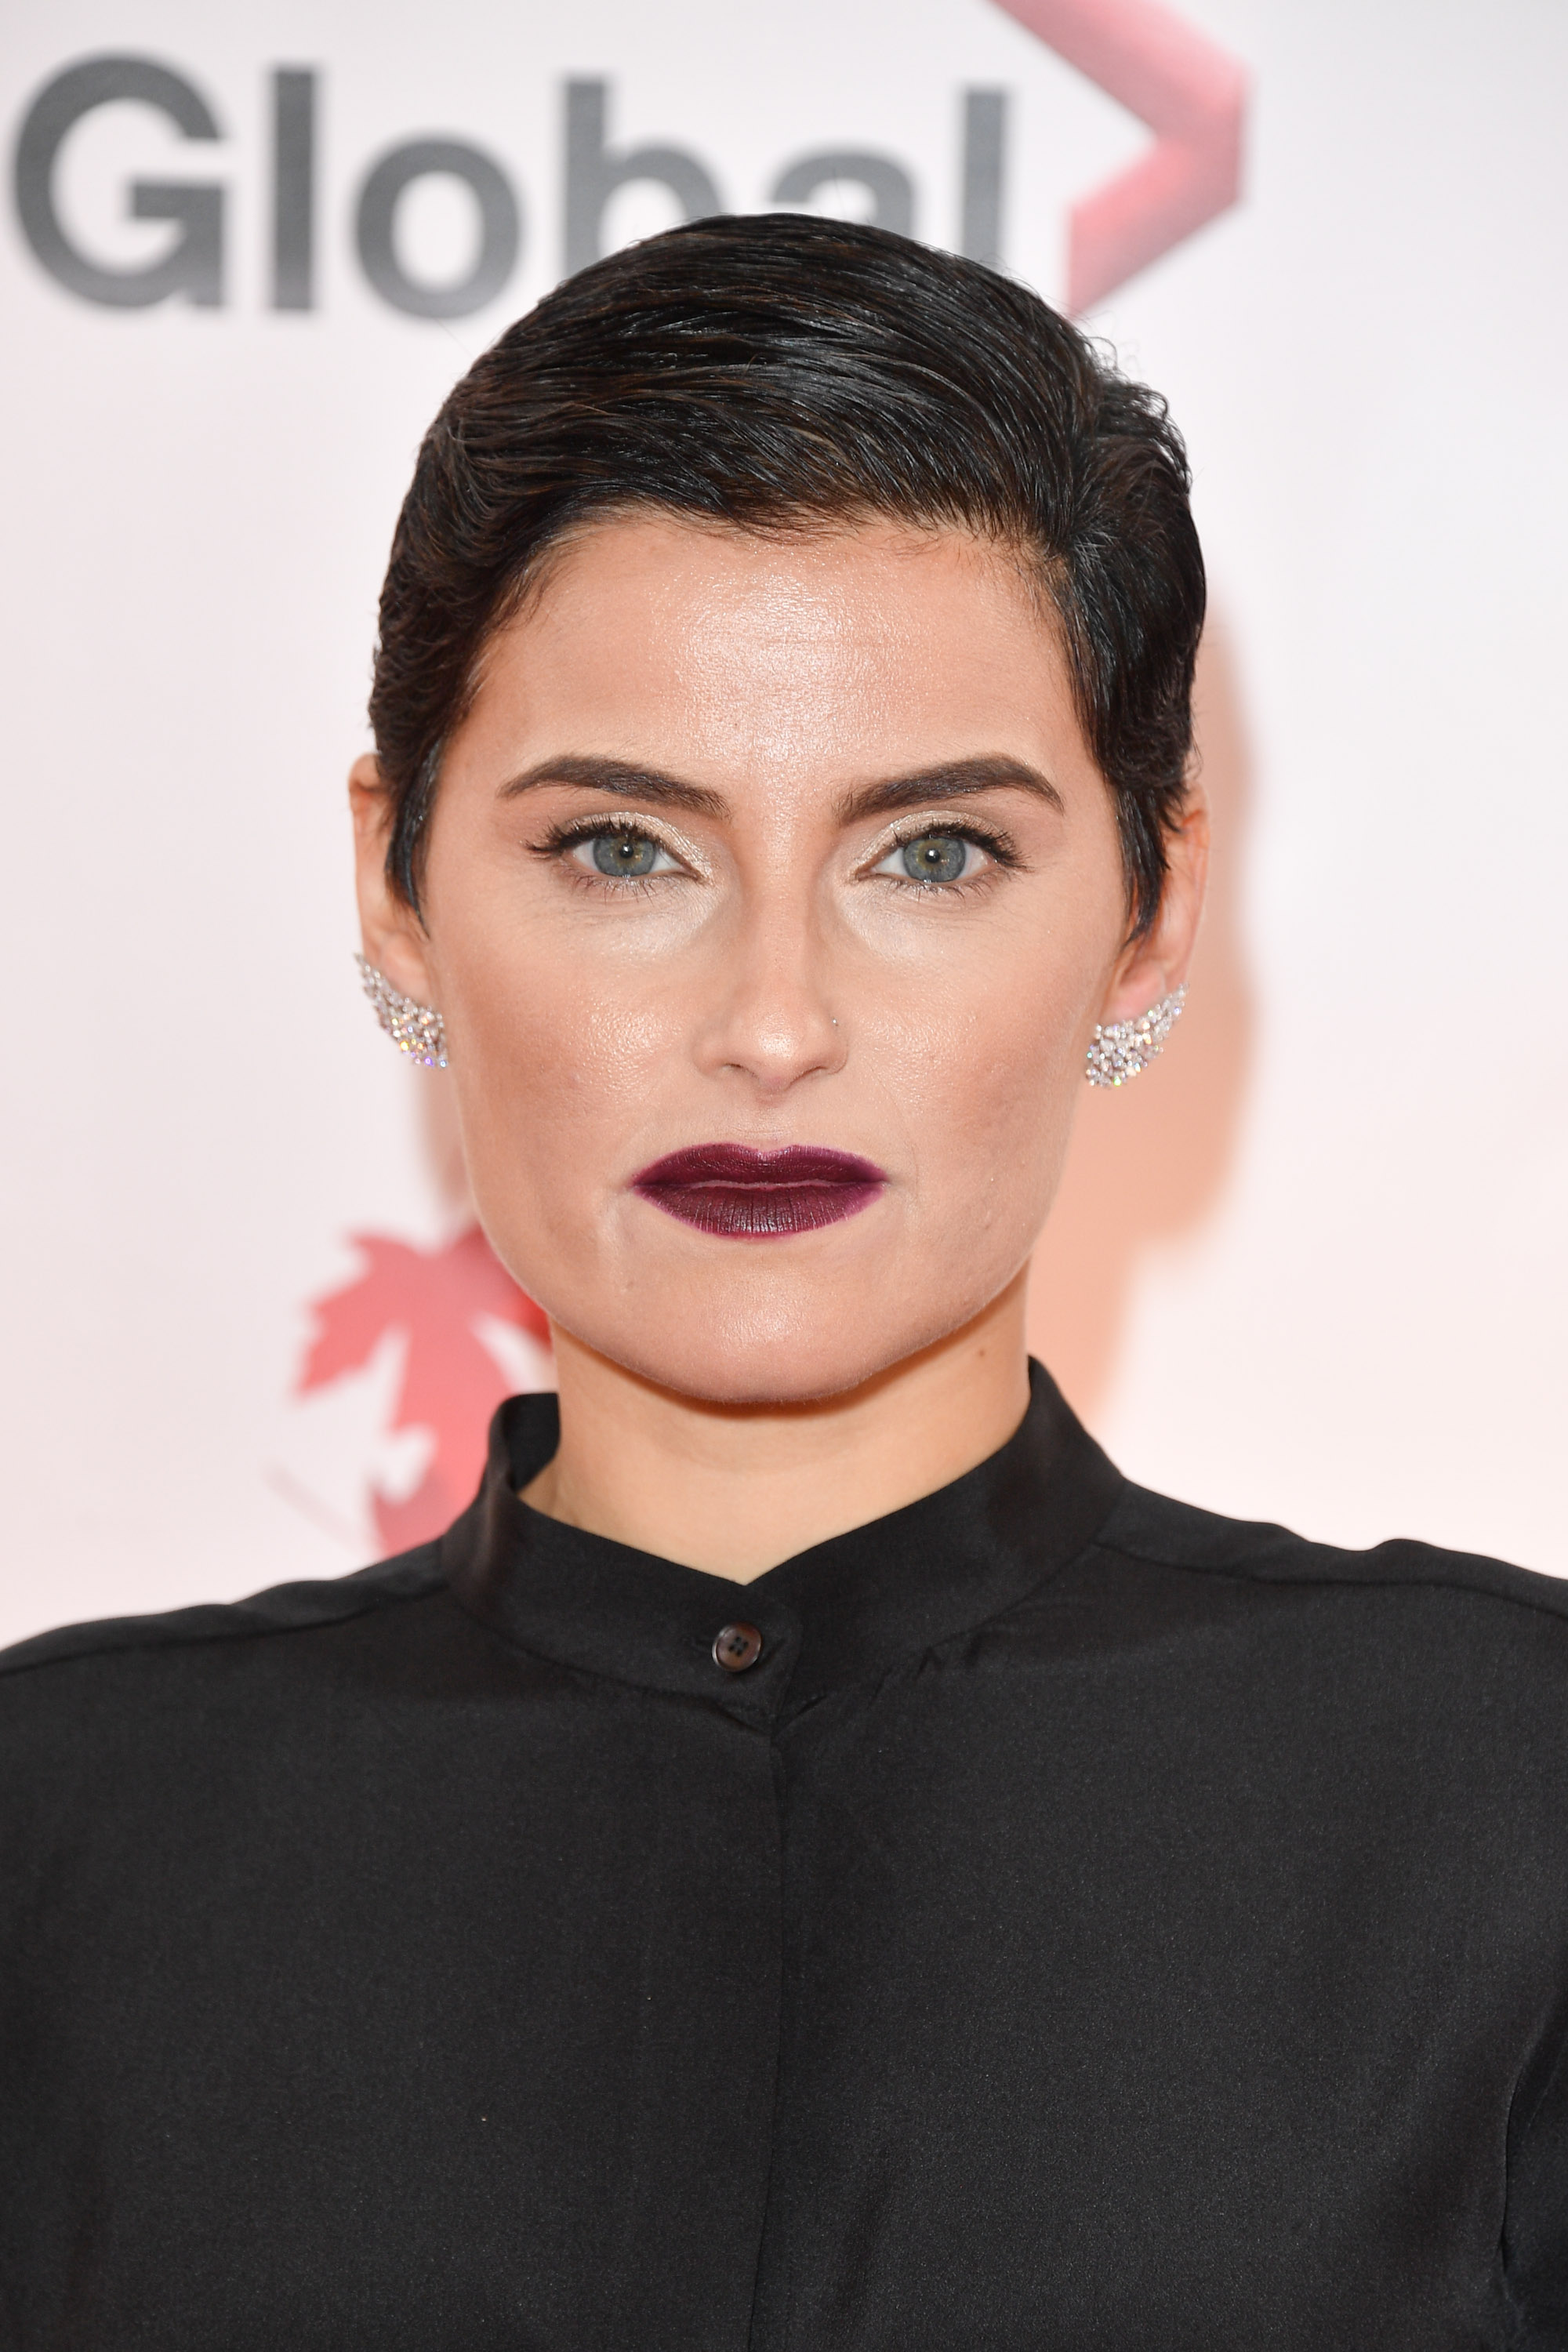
776	371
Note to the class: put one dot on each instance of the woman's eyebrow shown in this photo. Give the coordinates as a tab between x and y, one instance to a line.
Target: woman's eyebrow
951	781
624	780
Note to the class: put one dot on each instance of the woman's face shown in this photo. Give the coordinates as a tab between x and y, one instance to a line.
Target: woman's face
785	844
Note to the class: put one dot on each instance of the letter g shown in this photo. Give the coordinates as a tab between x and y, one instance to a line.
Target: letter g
194	266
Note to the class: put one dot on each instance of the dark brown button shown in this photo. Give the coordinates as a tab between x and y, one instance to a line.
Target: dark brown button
737	1647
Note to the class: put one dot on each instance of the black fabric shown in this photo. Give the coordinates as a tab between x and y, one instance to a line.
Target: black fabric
1090	1925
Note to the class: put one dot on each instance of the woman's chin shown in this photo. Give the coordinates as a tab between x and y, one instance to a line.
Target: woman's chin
745	1359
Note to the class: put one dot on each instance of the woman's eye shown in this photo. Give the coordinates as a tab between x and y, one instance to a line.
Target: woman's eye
626	856
932	857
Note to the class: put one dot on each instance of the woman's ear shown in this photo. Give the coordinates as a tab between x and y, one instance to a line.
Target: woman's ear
393	934
1156	965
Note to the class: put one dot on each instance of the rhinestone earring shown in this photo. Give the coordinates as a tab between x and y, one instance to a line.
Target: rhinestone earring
416	1029
1123	1048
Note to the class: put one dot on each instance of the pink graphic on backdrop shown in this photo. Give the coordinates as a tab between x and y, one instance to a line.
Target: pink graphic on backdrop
451	1382
1192	95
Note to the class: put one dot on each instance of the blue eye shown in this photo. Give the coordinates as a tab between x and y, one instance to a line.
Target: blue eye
623	854
937	858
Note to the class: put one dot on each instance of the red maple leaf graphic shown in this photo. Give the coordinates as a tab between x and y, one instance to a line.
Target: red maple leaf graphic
451	1382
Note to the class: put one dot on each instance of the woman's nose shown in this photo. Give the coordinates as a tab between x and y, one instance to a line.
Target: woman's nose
771	1017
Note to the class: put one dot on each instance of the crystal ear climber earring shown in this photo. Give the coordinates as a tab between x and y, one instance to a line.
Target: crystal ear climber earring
1123	1048
413	1028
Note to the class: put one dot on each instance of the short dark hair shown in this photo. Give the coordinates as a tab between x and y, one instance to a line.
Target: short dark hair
775	370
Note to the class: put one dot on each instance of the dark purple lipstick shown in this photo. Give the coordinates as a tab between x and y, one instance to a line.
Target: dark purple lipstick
727	1188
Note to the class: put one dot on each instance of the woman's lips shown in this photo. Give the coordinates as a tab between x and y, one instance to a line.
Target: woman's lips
727	1188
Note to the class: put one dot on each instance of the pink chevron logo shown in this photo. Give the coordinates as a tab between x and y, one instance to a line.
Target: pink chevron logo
1192	96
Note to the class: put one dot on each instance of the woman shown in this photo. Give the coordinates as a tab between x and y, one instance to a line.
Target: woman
813	1859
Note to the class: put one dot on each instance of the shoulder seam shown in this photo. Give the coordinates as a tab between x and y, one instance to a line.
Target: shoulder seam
163	1632
1344	1583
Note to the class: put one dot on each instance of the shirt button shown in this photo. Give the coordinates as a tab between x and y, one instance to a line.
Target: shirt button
737	1647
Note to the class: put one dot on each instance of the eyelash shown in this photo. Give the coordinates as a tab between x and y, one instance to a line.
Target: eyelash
999	846
571	832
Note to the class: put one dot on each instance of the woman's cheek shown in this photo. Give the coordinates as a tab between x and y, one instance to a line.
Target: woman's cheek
556	1075
1003	1126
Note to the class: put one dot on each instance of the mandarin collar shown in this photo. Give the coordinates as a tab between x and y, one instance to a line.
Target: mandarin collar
850	1609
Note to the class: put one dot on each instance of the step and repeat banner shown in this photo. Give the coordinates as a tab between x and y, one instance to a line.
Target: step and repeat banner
1312	1266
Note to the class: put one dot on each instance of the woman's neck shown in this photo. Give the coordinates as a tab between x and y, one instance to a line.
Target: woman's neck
735	1489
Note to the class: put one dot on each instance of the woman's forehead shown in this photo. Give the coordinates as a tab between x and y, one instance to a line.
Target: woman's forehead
873	643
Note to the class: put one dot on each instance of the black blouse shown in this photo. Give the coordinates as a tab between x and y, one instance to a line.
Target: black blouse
1086	1923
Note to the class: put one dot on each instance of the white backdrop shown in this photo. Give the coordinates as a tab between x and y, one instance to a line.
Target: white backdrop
1310	1268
